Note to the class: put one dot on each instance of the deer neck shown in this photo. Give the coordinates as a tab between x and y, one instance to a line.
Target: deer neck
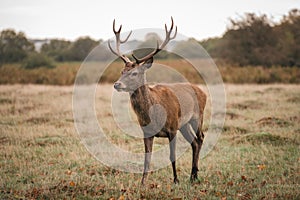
141	101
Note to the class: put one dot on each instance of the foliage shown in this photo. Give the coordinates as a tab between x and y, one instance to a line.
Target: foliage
289	38
65	73
57	49
62	74
62	50
251	40
150	43
14	47
36	60
81	48
190	48
256	40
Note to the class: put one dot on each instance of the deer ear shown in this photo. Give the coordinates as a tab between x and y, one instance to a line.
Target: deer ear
147	64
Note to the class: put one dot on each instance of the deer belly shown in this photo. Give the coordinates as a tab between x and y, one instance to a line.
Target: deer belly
184	119
161	134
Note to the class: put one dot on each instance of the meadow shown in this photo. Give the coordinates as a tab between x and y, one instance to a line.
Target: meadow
256	157
65	72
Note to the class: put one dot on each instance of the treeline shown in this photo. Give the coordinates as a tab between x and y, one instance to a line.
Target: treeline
16	48
257	40
251	40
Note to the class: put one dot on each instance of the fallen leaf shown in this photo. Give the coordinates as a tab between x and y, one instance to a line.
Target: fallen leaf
244	178
219	174
154	185
91	172
218	194
203	192
121	197
169	187
261	167
72	184
263	183
69	172
245	196
230	183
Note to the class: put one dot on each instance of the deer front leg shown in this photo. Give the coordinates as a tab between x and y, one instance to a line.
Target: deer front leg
148	142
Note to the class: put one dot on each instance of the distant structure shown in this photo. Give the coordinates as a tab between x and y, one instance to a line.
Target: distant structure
38	43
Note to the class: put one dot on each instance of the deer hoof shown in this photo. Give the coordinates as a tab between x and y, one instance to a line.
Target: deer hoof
176	181
143	181
194	178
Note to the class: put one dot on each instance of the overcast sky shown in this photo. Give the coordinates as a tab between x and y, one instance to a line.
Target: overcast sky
70	19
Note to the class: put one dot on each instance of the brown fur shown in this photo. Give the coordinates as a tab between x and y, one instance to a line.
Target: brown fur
182	104
145	97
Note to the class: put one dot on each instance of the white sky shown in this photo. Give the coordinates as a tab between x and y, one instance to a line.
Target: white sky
70	19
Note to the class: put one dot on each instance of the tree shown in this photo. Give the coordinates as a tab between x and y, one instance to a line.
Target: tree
190	48
57	49
250	41
37	60
14	47
212	46
256	40
149	45
81	48
288	32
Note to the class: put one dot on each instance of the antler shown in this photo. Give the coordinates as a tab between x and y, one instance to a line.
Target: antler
159	48
118	42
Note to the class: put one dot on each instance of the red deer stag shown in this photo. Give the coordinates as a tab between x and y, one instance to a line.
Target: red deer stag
183	105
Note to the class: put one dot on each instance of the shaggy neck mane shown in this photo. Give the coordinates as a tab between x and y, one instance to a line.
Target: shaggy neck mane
141	101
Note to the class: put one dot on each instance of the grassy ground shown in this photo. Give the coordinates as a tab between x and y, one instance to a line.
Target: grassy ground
41	156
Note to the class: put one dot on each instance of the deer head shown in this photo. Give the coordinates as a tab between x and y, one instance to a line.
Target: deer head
133	74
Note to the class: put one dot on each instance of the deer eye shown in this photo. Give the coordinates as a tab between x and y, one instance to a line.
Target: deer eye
134	73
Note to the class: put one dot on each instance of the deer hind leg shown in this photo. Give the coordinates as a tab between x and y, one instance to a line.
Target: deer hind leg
189	136
172	144
197	128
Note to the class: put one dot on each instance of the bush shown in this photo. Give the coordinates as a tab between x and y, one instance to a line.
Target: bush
36	60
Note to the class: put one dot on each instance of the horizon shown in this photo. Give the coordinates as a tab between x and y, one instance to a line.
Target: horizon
69	21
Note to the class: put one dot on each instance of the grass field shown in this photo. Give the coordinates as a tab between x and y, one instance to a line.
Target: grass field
41	156
64	73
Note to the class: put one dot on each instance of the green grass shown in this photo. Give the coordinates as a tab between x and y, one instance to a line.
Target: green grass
41	156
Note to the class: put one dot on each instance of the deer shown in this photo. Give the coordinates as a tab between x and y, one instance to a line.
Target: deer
182	104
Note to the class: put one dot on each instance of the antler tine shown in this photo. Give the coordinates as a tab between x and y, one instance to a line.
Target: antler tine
123	41
159	48
112	49
114	27
118	42
138	61
174	36
172	23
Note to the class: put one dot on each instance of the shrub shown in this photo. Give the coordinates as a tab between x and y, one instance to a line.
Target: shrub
36	60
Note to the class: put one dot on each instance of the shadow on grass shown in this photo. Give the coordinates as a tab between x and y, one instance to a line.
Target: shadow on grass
265	138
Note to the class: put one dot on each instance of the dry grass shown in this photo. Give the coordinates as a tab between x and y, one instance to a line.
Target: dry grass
41	157
65	73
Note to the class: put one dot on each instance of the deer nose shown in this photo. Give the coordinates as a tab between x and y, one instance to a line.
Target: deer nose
117	85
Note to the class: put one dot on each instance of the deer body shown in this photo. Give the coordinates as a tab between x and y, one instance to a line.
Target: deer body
164	109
